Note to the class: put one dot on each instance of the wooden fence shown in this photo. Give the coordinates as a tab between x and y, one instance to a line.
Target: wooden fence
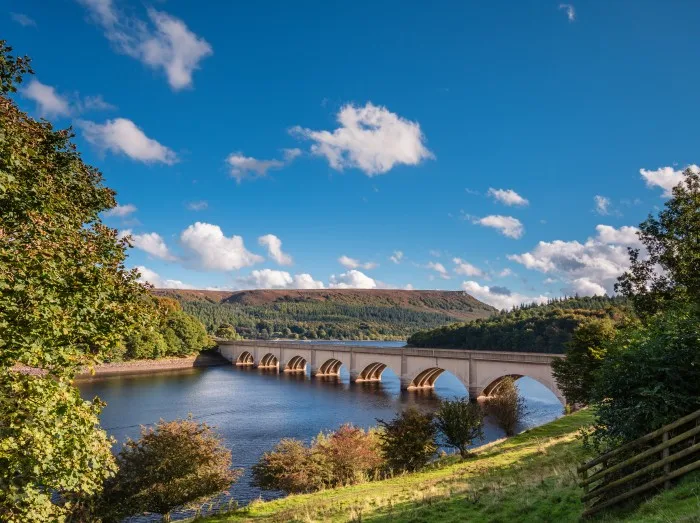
650	462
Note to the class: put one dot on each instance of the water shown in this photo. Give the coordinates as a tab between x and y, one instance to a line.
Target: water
254	409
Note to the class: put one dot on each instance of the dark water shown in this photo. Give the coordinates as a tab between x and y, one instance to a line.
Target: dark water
253	409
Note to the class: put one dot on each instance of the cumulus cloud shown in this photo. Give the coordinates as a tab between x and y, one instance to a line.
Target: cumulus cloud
588	268
352	263
500	297
370	138
665	177
152	277
23	20
570	11
439	268
508	197
506	225
198	205
396	257
274	249
271	279
163	42
352	279
151	243
211	249
123	136
120	211
602	205
465	268
49	102
246	167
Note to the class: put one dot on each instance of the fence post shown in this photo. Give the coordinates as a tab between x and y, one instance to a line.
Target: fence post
667	466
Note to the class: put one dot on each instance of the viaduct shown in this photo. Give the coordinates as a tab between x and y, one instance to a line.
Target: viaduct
480	371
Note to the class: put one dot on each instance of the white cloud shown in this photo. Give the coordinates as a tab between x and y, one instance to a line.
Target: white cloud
94	103
466	269
271	279
291	154
505	272
396	257
120	211
49	102
151	243
588	268
152	277
165	43
439	268
214	251
23	20
352	263
243	167
408	287
506	225
570	11
500	297
602	205
665	177
274	249
123	136
508	197
370	138
352	279
198	205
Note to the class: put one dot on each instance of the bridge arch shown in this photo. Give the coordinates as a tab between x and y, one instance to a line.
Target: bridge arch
296	364
372	372
330	367
245	359
269	361
493	383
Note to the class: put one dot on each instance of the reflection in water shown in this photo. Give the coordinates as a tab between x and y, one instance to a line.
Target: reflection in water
254	408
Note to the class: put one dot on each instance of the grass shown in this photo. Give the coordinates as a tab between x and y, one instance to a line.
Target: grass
528	478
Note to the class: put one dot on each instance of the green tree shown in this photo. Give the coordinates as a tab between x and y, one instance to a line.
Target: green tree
350	454
506	406
460	422
586	350
66	300
172	464
185	334
227	332
672	241
408	440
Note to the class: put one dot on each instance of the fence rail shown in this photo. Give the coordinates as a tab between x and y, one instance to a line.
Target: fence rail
646	463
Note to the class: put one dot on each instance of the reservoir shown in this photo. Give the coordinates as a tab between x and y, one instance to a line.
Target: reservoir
253	409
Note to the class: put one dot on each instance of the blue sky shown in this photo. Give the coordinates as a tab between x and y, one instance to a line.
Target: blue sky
507	149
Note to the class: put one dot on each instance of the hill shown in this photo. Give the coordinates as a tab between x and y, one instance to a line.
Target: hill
329	313
530	328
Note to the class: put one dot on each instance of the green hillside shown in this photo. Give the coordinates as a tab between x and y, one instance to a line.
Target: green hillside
329	313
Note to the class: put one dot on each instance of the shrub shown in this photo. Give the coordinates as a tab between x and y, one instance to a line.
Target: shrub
350	454
408	440
459	423
172	464
506	406
291	467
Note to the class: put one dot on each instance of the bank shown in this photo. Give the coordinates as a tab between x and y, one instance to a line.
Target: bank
528	478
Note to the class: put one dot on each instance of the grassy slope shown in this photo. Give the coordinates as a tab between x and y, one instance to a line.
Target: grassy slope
528	478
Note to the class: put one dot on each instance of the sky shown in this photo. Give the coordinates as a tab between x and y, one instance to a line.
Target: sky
508	149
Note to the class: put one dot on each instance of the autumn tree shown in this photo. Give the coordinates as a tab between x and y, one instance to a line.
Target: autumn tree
460	422
506	406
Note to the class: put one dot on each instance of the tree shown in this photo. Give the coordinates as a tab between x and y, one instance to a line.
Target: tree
227	332
460	422
673	242
350	454
172	464
185	334
585	353
291	467
408	440
506	406
66	300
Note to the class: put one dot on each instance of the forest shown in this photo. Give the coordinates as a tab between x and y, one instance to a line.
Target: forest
528	328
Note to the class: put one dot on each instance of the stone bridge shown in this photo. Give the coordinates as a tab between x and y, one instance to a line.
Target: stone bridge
480	371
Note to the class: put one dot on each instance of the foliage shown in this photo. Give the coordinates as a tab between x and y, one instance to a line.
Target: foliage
408	440
673	243
350	454
529	328
506	406
227	332
170	465
185	334
66	300
460	422
650	377
291	467
584	355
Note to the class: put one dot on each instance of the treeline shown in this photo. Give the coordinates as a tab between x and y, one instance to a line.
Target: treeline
528	328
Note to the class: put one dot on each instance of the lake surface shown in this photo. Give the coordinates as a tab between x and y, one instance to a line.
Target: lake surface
254	409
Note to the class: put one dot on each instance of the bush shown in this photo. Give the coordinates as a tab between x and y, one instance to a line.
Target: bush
408	441
460	423
650	377
172	464
291	467
350	454
506	406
